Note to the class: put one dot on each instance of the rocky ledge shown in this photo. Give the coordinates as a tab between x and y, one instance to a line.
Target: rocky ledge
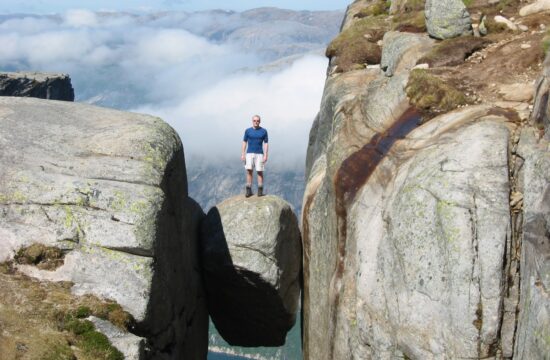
105	193
49	86
252	262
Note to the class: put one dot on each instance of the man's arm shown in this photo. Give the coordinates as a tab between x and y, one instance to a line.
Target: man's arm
243	149
266	148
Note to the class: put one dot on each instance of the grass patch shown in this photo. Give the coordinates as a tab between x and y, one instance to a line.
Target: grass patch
432	95
452	52
414	5
83	312
414	21
105	310
59	352
356	46
93	343
375	9
505	4
546	43
42	256
7	268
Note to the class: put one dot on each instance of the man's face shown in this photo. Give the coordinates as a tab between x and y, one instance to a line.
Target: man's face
255	122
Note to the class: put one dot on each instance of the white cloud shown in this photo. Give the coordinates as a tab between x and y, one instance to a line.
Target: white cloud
213	121
80	18
199	87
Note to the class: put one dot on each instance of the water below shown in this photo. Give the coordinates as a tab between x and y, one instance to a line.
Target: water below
220	356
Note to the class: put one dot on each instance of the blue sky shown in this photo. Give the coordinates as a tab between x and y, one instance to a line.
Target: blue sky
56	6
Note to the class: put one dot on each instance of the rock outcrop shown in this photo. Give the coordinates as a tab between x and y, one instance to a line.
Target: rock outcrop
252	262
39	85
541	108
425	234
447	19
108	188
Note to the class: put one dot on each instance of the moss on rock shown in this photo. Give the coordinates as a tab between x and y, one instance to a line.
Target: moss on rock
452	52
357	45
92	343
378	8
42	256
432	95
414	21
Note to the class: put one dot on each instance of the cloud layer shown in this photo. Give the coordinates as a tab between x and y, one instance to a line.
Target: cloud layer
207	91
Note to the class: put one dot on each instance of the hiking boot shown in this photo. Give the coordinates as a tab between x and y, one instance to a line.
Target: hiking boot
248	191
260	191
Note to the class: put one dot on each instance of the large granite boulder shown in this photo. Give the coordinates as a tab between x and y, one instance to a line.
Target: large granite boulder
447	19
252	262
401	51
423	238
39	85
108	188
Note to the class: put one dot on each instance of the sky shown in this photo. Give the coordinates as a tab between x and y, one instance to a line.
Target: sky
57	6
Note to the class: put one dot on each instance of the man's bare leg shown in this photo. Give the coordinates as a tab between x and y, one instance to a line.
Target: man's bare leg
260	178
260	183
248	183
248	177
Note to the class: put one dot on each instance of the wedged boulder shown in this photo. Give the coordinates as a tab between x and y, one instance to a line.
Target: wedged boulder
447	19
252	262
39	85
109	188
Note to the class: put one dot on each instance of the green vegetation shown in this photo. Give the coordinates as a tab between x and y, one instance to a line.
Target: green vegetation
378	8
44	257
546	43
495	27
431	94
356	46
413	21
83	312
467	2
504	4
93	343
59	352
451	52
414	5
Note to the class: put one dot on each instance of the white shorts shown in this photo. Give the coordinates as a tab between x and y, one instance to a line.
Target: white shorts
254	160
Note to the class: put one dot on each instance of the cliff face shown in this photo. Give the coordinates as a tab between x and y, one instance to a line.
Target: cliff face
109	190
425	210
38	85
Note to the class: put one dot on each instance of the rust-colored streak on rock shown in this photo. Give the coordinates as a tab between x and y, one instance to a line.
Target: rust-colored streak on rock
509	114
353	174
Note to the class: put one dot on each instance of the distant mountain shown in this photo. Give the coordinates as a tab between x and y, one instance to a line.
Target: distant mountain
271	32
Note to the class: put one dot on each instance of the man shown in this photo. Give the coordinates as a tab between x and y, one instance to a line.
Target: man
255	144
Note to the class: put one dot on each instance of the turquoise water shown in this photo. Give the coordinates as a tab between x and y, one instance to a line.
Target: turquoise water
218	356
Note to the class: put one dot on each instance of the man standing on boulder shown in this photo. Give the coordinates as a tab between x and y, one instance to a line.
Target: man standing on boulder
255	144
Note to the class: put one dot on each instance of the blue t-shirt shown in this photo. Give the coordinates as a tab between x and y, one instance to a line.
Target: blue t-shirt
255	139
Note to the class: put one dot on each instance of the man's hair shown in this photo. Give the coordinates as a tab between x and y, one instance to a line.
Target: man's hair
257	116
